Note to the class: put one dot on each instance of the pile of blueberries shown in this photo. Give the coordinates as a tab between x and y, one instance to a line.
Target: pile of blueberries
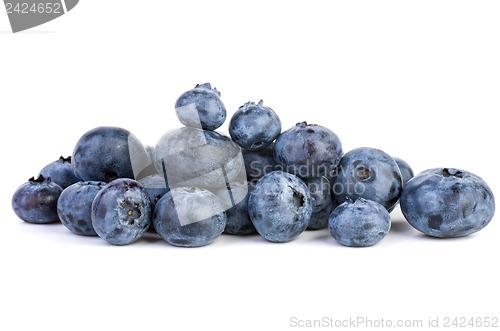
197	183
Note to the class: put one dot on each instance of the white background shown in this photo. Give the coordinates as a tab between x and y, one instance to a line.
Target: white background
418	79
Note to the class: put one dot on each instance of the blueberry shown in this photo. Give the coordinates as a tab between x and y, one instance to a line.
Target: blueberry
308	150
321	200
359	223
107	153
155	186
200	158
280	206
254	126
74	207
61	172
447	203
406	170
319	219
320	190
238	220
201	108
121	212
368	173
189	217
259	163
36	201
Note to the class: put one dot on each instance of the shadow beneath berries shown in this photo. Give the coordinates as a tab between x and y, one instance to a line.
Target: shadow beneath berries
226	239
324	237
436	239
54	224
249	238
400	226
151	236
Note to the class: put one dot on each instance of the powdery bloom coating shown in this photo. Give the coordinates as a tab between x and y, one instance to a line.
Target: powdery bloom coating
368	173
447	202
308	150
280	206
201	108
189	217
359	223
121	212
74	207
36	201
254	126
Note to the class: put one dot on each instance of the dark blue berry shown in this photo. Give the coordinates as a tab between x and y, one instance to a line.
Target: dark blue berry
368	173
107	153
321	200
320	190
259	163
280	206
319	219
308	150
75	207
121	212
406	170
36	201
254	126
235	202
61	172
359	223
447	202
201	108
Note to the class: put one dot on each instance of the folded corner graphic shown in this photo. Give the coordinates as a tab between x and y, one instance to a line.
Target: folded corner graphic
26	14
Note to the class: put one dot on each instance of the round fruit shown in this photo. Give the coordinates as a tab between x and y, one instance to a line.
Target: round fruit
359	223
308	150
61	172
36	201
107	153
189	217
121	212
280	206
447	202
254	126
201	108
74	207
368	173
